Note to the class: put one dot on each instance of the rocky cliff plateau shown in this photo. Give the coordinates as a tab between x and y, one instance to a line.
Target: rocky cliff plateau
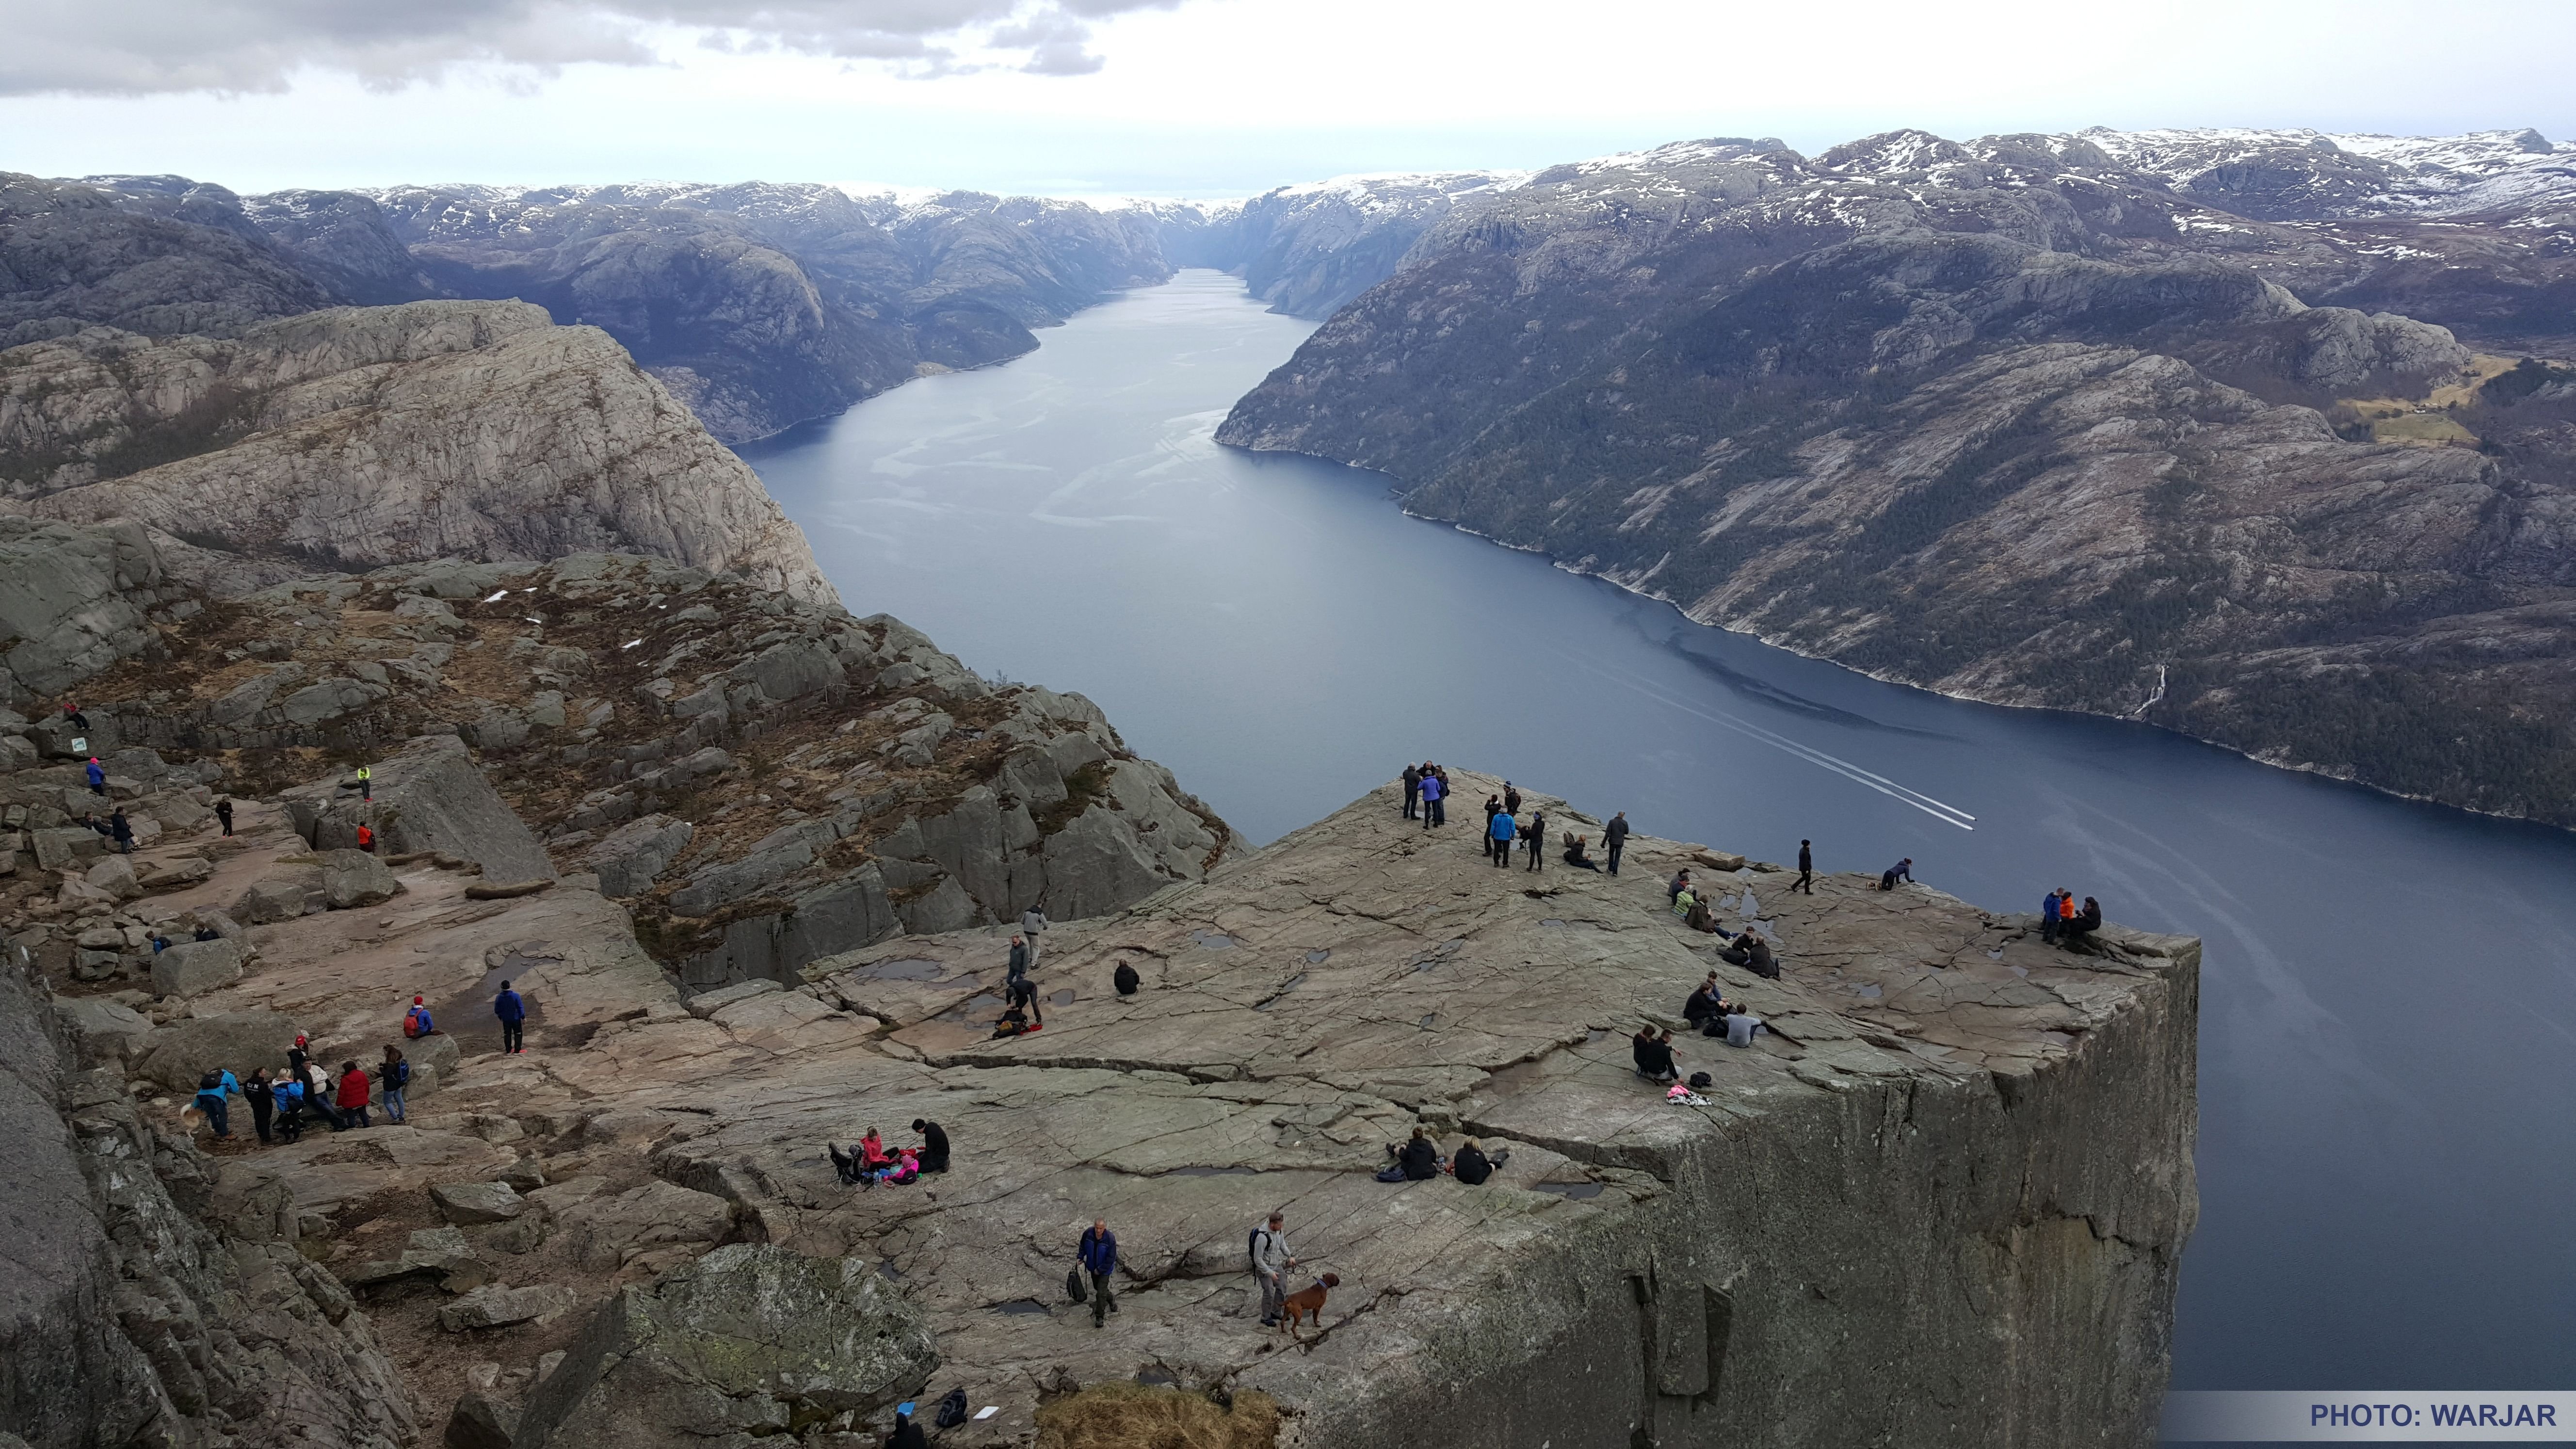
360	436
2024	419
1958	1157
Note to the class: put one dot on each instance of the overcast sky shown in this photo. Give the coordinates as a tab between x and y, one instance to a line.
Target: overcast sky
1188	97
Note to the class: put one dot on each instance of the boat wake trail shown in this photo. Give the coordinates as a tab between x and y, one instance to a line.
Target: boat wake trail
1947	814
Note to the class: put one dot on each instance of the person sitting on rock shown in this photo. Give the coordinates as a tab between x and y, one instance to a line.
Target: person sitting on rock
1698	917
1757	955
1741	1024
2085	923
934	1145
416	1022
1574	855
1705	1001
905	1168
1655	1058
1471	1166
367	839
1683	901
1678	884
208	933
907	1434
1418	1160
872	1152
1125	979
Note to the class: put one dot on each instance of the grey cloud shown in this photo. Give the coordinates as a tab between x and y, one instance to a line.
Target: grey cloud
132	47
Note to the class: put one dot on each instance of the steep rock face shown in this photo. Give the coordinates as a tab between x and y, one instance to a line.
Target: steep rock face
368	435
1307	250
1987	418
765	780
154	1296
72	602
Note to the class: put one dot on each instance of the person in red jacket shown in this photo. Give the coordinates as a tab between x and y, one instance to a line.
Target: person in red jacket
352	1096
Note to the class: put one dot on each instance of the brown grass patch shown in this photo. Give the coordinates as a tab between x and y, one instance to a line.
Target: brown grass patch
1143	1416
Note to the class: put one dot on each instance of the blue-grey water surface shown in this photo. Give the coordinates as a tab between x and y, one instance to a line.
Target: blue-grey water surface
2387	1149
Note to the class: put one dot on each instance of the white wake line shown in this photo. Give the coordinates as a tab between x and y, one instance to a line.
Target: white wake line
1945	813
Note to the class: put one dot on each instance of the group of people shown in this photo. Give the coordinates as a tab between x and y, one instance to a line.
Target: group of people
2060	923
1426	794
869	1162
1711	1012
1748	949
280	1105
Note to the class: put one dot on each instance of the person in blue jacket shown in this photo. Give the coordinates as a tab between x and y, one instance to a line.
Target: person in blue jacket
512	1012
212	1089
1432	793
1504	830
1098	1251
97	776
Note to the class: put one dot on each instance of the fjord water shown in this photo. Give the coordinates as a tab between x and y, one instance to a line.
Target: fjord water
2388	1030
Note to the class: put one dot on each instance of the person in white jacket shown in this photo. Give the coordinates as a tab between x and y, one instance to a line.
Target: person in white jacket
1032	921
1271	1261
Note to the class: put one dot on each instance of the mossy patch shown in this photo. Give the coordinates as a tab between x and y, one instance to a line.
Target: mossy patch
1143	1416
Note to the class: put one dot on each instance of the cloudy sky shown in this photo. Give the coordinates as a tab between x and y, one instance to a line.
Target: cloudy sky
1187	97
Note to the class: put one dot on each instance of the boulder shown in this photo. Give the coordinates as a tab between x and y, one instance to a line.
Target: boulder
352	878
65	846
428	796
749	1340
281	897
465	1203
173	875
440	1253
105	1031
707	1003
115	876
75	602
494	1306
481	1420
634	853
604	1231
193	968
177	1054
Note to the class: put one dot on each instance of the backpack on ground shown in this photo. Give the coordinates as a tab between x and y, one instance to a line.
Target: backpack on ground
952	1410
1073	1288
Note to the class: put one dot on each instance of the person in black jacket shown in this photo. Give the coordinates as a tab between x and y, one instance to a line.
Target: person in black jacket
263	1102
1471	1166
1614	838
1024	993
1419	1159
1125	979
1706	1001
1534	838
934	1145
1806	867
907	1434
2086	922
224	813
1655	1058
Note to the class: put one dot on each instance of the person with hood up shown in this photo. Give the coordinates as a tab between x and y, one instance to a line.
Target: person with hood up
1511	797
513	1015
1500	831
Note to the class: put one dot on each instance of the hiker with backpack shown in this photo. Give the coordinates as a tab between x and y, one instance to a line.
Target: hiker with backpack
416	1022
391	1078
1098	1252
211	1091
1271	1261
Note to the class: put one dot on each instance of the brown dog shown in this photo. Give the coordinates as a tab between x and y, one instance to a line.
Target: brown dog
1307	1303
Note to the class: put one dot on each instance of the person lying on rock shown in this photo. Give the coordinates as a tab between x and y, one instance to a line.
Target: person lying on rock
1014	1022
1574	855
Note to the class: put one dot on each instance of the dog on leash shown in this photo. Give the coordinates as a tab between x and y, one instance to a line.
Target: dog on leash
1307	1303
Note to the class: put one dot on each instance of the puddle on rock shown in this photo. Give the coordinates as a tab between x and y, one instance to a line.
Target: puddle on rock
1575	1190
1213	940
1021	1308
1872	992
1317	958
908	969
2021	971
1061	998
1430	1020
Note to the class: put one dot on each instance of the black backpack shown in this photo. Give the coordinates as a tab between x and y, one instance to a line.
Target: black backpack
1073	1288
211	1081
1252	1247
952	1410
1125	978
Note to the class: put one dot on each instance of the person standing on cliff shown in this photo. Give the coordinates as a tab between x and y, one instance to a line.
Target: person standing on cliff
1511	798
1534	838
1098	1251
97	776
1806	867
1019	962
366	783
2049	906
1500	832
1032	921
513	1014
1614	836
1431	793
1412	790
1271	1261
224	814
1493	807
